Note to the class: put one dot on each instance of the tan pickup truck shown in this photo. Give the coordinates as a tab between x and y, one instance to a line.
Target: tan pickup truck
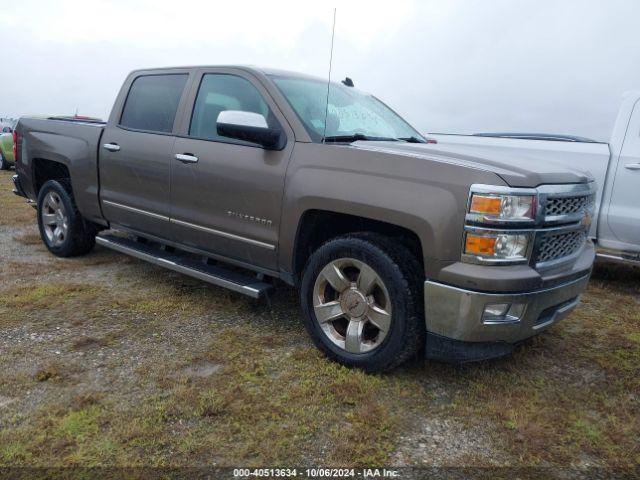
240	176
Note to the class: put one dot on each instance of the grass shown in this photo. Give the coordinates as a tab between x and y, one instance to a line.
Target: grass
13	211
106	361
572	392
259	410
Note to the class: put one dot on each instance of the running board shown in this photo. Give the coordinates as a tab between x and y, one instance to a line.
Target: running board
213	274
619	258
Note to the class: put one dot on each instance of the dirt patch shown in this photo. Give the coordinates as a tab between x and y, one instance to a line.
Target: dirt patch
28	238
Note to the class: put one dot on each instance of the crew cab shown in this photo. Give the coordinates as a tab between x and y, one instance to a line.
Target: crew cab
239	176
615	167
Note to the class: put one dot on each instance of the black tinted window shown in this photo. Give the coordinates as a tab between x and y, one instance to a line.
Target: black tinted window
152	102
219	92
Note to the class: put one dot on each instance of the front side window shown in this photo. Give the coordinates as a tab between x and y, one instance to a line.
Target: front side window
220	92
152	102
349	111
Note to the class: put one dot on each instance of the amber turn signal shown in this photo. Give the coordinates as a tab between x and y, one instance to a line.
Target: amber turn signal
477	245
486	204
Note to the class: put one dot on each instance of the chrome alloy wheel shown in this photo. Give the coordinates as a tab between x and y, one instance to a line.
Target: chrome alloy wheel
55	221
352	305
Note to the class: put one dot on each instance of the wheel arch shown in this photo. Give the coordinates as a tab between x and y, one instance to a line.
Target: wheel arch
45	170
316	226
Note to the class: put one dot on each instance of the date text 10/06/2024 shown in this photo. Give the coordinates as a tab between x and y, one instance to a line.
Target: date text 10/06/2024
315	473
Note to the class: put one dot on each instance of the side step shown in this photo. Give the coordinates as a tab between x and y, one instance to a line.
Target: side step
625	259
183	264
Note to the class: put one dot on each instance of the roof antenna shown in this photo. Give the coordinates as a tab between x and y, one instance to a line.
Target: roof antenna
326	110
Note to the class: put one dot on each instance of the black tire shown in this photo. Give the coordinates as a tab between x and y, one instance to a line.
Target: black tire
81	234
402	276
4	165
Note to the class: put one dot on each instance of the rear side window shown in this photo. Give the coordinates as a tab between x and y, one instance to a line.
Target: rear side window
152	102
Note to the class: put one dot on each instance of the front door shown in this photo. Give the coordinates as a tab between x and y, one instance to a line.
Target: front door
136	152
227	194
624	209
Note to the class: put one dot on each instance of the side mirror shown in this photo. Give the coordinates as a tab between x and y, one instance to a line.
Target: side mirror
250	127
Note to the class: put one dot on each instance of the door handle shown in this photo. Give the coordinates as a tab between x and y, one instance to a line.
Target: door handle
186	158
112	147
632	166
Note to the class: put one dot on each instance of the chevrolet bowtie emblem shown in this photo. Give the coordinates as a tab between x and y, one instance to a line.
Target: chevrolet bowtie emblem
586	220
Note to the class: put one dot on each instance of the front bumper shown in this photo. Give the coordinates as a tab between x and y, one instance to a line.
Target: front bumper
456	314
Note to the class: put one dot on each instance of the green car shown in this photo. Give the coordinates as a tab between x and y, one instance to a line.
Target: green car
6	151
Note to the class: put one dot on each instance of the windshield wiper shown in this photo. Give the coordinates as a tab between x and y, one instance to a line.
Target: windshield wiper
412	139
355	137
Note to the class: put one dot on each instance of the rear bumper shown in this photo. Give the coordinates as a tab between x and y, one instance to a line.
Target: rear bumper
17	187
456	320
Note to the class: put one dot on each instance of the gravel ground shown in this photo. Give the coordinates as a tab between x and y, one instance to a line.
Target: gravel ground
103	357
118	362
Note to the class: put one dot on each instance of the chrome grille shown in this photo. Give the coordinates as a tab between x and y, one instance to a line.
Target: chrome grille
567	205
556	246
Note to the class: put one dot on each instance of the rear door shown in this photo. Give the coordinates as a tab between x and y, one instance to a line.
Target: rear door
228	202
136	152
624	209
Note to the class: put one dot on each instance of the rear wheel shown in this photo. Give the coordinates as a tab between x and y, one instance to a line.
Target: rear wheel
62	229
361	298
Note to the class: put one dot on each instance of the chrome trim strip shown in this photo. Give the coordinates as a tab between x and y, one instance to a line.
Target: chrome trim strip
136	210
511	295
618	259
192	225
224	234
156	260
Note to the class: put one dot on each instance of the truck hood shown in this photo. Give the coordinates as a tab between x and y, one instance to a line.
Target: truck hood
516	170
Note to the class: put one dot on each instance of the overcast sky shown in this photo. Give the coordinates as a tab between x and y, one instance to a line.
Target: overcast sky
447	66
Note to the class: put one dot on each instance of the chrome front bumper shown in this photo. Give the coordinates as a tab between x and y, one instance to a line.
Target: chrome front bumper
457	314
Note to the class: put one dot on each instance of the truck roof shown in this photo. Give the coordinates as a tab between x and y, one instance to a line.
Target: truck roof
251	68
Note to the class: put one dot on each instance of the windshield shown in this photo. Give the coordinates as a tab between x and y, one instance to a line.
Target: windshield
350	111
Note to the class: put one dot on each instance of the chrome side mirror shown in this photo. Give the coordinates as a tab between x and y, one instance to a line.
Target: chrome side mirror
249	127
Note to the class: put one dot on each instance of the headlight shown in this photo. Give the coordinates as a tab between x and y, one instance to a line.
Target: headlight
496	246
501	208
500	223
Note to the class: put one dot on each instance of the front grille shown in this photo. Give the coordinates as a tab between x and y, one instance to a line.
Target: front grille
568	205
559	245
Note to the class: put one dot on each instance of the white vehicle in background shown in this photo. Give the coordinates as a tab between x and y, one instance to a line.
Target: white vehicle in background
614	165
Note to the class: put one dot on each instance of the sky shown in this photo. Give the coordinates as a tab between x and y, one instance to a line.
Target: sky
454	66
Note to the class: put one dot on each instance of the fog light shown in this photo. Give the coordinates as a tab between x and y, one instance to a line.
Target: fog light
502	313
496	309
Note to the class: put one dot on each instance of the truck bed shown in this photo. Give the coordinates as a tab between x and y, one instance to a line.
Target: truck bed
71	142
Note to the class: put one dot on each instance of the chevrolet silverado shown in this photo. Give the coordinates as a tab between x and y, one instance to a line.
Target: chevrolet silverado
239	176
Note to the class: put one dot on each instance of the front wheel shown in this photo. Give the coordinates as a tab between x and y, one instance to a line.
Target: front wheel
362	303
62	229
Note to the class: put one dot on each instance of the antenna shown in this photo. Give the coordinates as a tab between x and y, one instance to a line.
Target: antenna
326	110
